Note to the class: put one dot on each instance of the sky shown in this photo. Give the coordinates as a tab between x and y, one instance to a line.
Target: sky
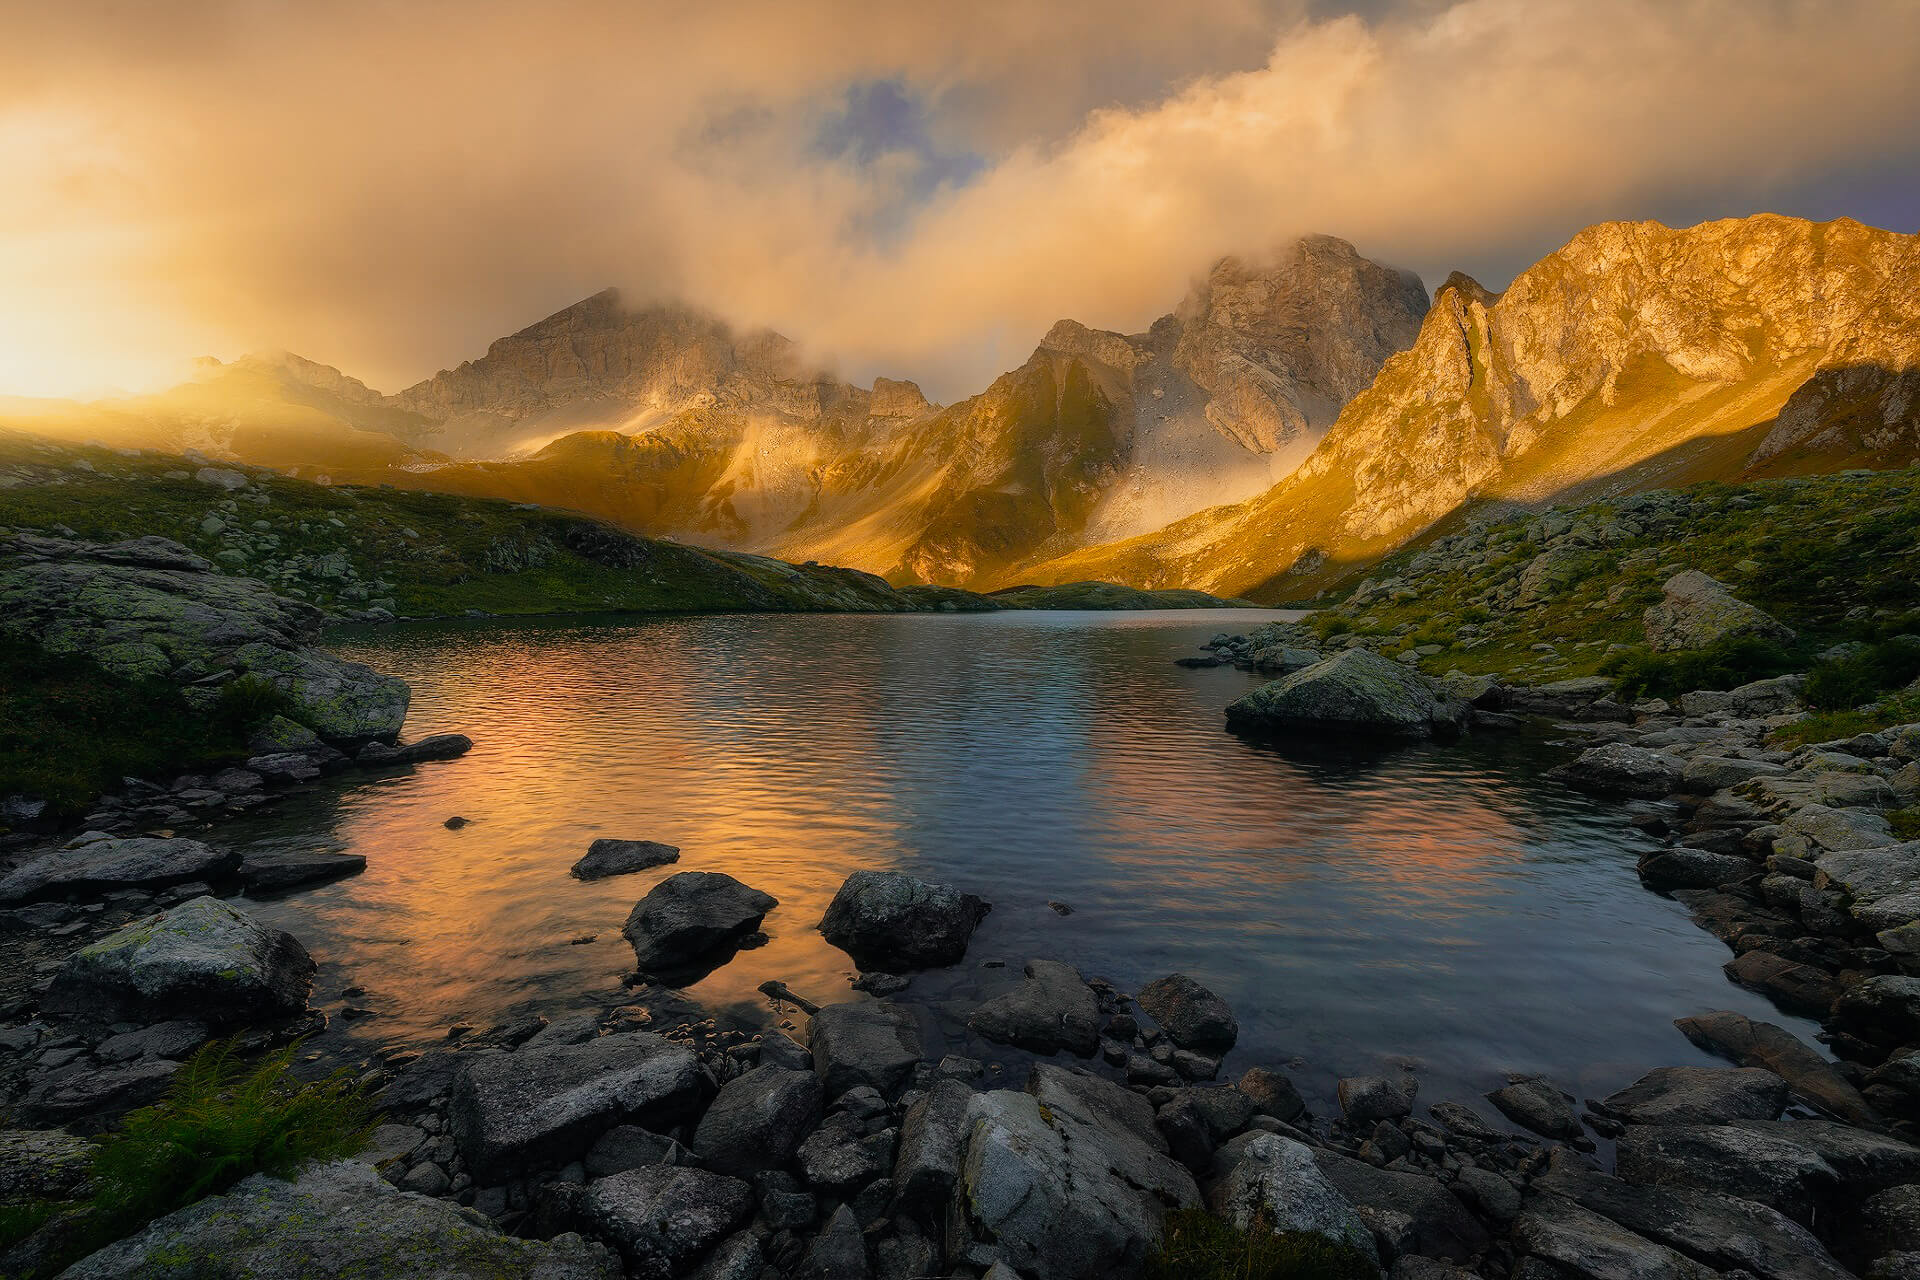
914	190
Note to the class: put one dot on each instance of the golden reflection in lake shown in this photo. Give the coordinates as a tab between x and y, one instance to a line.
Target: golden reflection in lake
1350	906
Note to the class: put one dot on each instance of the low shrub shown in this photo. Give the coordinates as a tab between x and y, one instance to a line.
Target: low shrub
1863	675
1726	665
1198	1246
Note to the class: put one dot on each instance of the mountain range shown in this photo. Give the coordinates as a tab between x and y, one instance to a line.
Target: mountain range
1295	416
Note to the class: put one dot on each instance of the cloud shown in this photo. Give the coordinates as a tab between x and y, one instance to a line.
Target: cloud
389	187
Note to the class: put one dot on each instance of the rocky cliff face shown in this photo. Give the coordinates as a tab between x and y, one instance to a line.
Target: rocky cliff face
667	420
1635	356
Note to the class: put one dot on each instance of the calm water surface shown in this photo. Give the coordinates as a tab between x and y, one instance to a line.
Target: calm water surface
1439	906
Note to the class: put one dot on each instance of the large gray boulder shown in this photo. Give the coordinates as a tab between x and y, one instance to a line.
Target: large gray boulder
1274	1181
337	1221
1697	1095
1718	1231
664	1216
1053	1009
758	1120
1617	769
1060	1194
1579	1242
102	864
1434	1219
871	1042
689	916
1752	1165
893	922
931	1138
1807	1072
1695	611
150	608
1357	693
202	960
548	1105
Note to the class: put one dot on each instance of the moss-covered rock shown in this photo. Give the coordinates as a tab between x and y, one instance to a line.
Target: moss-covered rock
1356	693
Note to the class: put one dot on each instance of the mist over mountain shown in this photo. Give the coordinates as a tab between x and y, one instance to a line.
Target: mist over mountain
1638	355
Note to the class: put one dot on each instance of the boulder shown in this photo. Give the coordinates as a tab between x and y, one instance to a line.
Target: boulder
1533	1103
1883	1010
1839	830
1192	1016
871	1042
1728	1160
1274	1182
1437	1224
547	1105
1868	875
1357	693
1694	869
928	1161
1697	1095
619	857
1696	611
1110	1102
1777	696
688	917
1060	1194
663	1217
839	1252
149	608
105	864
1367	1100
1718	1231
1617	769
1581	1243
1053	1009
436	746
292	869
1797	988
1808	1074
202	960
757	1120
890	921
1272	1094
337	1221
841	1157
43	1164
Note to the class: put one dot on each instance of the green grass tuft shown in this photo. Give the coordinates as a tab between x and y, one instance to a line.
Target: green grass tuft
1863	675
1726	665
224	1118
1198	1246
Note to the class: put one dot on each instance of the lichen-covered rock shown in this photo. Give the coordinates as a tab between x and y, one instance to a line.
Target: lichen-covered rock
1275	1182
337	1221
664	1216
891	921
691	915
1358	693
202	960
100	865
1060	1193
43	1164
549	1104
1696	611
149	608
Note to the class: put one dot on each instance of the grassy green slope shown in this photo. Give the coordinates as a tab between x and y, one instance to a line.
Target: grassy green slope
411	552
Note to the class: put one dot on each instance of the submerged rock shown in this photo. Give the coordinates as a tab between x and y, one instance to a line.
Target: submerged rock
273	872
1053	1009
1695	611
338	1221
688	916
1357	692
890	921
202	960
619	857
